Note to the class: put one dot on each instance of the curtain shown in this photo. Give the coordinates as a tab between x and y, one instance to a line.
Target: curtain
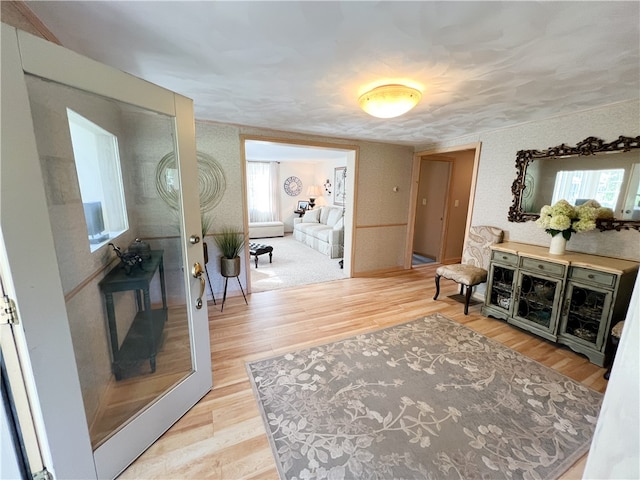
262	191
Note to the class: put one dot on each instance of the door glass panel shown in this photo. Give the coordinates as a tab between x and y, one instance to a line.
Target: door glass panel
127	313
536	299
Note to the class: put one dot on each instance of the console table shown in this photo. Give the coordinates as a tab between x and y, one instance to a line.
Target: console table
572	299
143	339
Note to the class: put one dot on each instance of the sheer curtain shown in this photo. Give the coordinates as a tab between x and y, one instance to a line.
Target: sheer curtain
262	191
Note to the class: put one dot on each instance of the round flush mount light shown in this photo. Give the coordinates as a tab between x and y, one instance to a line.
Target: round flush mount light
388	101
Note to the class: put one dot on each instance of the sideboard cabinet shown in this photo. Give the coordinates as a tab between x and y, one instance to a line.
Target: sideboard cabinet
572	299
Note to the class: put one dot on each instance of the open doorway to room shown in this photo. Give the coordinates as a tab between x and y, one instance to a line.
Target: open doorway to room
288	183
443	200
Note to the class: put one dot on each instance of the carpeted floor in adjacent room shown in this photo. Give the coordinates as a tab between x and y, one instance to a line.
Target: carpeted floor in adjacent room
294	264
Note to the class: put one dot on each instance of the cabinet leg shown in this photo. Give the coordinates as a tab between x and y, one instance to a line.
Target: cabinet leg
614	349
117	372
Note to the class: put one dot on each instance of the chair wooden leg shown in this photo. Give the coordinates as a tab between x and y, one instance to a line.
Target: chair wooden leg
467	297
435	297
461	288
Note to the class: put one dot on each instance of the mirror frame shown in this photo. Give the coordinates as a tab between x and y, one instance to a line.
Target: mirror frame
588	146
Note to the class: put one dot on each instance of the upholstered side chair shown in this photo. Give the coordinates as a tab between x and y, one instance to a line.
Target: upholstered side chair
472	270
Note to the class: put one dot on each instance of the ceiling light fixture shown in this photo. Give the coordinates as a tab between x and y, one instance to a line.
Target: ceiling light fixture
388	101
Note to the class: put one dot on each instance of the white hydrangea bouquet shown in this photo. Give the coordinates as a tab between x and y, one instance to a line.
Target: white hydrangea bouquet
566	219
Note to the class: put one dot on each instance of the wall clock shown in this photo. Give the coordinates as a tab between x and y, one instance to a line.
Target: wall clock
293	186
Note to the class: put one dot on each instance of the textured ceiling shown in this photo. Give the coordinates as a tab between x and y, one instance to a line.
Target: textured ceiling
300	66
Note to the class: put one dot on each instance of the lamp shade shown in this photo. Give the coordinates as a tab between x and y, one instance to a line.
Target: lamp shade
388	101
313	191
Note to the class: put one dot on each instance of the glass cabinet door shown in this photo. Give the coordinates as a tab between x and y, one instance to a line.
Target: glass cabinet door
536	299
501	287
586	312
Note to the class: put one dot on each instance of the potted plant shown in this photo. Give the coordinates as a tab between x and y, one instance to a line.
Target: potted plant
230	242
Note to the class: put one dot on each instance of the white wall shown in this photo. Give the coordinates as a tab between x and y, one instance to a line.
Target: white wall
497	171
305	171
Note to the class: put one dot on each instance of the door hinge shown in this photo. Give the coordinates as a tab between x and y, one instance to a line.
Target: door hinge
8	312
43	474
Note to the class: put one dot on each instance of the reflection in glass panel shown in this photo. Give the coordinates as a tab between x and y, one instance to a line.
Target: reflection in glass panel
631	208
576	187
129	325
501	287
611	179
95	152
585	313
536	299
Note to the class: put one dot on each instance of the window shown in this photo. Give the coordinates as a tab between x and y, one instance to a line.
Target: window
262	191
98	168
579	186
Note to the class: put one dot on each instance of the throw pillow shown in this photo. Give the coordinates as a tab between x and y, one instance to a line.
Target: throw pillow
324	214
339	224
334	215
311	216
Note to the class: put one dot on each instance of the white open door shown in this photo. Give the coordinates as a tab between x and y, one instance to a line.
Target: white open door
117	348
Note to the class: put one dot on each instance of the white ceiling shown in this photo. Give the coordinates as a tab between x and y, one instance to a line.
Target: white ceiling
300	66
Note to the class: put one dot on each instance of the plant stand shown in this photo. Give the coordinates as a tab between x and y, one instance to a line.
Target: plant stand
230	267
205	249
224	296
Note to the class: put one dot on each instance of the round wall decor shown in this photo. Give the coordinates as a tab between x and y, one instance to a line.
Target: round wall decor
211	181
293	186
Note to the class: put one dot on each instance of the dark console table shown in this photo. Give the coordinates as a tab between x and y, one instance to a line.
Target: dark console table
144	336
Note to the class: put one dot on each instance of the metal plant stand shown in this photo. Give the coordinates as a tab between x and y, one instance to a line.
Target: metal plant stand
224	296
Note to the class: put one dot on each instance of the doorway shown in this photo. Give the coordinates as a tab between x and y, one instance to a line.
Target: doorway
312	167
432	204
442	202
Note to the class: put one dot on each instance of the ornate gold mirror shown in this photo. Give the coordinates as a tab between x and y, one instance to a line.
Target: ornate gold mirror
593	169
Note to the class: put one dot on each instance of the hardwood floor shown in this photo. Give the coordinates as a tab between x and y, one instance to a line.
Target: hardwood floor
125	398
223	436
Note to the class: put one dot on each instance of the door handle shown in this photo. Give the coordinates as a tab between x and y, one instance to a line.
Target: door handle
196	271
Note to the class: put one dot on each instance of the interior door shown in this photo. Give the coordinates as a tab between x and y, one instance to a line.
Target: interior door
432	198
117	345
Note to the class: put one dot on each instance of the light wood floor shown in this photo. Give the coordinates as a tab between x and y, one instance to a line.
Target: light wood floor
123	399
223	436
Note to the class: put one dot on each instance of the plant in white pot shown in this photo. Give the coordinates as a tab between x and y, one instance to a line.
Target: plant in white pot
230	241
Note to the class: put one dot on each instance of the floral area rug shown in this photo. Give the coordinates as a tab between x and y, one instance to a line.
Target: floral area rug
426	399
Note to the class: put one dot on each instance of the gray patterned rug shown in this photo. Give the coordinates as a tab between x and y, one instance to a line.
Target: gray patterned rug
426	399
